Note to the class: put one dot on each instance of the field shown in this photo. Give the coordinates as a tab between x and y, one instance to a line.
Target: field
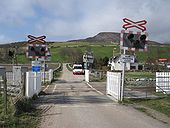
107	50
63	51
140	74
154	53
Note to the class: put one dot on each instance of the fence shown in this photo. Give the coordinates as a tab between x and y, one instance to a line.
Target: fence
34	81
28	84
9	77
14	83
163	82
139	88
114	84
47	76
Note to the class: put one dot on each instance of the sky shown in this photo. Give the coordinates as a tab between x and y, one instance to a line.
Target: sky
63	20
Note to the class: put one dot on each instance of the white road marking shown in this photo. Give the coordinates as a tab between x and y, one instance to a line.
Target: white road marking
54	88
95	89
46	88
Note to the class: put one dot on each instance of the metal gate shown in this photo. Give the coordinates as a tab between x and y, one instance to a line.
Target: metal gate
163	82
139	88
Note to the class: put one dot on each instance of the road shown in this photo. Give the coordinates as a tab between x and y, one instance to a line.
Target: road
71	103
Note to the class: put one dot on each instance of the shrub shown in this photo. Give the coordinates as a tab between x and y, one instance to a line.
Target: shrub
24	106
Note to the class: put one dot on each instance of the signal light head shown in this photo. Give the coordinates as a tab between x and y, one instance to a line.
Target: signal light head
143	37
133	41
42	49
36	51
32	49
131	36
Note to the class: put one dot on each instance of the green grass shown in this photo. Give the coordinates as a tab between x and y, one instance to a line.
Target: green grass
63	44
154	53
58	54
11	120
140	74
80	44
22	59
161	105
100	50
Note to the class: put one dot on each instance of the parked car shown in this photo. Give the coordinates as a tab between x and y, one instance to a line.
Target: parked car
78	69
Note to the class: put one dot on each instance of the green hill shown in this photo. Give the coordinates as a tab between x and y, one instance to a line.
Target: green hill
104	44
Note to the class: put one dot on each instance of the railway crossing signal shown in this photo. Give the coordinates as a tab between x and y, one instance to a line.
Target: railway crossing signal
37	51
131	24
134	41
36	47
39	39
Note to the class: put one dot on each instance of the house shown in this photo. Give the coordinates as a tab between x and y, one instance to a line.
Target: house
116	63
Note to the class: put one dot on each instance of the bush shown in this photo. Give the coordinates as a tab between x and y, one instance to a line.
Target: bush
24	106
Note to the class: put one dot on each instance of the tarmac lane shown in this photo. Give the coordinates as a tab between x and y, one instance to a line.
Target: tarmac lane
71	103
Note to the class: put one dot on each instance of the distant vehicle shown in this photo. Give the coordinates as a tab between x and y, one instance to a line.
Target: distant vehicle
78	69
168	66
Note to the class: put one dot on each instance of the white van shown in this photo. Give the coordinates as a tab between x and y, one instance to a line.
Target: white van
78	69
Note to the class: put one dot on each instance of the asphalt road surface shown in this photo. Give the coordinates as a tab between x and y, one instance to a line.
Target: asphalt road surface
71	103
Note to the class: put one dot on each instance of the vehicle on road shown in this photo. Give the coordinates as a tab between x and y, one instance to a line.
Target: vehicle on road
78	69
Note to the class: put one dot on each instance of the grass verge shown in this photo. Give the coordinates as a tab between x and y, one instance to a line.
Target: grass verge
21	115
161	105
140	74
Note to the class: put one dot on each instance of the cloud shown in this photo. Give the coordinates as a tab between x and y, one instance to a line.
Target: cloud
15	12
72	19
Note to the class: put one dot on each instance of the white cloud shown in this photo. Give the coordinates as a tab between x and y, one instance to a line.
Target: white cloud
72	19
14	12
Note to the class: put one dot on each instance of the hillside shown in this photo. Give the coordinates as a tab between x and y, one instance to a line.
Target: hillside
107	37
101	37
104	37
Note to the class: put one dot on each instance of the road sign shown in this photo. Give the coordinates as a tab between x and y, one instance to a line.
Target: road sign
127	58
131	24
36	39
88	58
36	66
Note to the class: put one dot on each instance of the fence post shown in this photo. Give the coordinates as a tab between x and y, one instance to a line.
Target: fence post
5	94
86	75
122	87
